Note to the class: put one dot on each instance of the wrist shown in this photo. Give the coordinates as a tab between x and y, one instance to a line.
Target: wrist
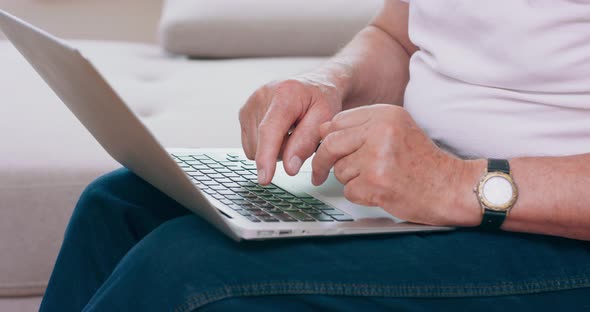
339	74
466	206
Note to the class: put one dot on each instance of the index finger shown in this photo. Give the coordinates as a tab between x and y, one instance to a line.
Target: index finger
335	146
272	131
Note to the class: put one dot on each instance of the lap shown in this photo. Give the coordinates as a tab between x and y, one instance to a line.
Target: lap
190	265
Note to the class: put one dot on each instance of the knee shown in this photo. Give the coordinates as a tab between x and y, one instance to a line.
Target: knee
104	196
122	195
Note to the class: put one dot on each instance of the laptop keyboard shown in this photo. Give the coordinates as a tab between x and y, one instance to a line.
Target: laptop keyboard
233	181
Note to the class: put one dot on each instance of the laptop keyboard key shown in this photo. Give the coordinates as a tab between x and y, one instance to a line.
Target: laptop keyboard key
226	202
253	218
250	177
240	202
284	217
243	212
259	213
215	175
223	180
312	201
301	216
273	210
269	219
332	212
233	197
250	207
343	217
321	217
239	190
304	207
235	207
249	196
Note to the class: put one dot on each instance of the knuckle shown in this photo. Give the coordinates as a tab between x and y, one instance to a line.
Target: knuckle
388	129
340	168
243	114
330	144
260	94
340	175
350	193
265	127
377	178
374	199
289	85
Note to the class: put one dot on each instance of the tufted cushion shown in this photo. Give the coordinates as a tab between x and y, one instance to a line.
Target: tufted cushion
229	28
47	157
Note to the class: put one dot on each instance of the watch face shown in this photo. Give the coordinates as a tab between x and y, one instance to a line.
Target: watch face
497	192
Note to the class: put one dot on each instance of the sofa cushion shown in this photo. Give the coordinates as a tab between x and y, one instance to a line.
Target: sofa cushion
47	157
229	28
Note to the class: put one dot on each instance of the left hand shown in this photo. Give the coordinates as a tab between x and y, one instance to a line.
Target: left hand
384	159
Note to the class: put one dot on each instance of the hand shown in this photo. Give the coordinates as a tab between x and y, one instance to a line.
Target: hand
282	120
384	159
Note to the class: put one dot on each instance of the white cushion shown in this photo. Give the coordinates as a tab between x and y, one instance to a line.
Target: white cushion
47	157
229	28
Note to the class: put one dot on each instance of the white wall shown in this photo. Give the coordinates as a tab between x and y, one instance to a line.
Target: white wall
129	20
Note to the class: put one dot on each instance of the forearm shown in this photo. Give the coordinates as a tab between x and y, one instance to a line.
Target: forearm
374	66
553	196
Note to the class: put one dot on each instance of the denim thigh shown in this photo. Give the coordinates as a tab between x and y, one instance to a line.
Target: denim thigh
186	264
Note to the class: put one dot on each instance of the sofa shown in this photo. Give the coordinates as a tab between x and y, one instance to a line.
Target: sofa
46	155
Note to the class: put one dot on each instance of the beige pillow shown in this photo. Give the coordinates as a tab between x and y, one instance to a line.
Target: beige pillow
262	28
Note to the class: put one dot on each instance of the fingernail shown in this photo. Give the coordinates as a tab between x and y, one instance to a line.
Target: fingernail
261	176
295	163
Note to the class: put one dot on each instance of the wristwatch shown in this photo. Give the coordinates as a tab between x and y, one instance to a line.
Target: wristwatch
497	193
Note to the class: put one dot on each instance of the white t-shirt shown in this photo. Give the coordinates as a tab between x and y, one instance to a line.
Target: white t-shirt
502	78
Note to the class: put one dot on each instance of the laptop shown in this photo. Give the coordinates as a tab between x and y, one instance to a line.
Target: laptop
219	185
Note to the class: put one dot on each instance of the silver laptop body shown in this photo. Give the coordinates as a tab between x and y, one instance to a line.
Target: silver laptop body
216	184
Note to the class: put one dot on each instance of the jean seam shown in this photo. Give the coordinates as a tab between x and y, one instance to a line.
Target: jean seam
379	290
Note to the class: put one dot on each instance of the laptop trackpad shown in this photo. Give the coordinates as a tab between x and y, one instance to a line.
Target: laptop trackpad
331	192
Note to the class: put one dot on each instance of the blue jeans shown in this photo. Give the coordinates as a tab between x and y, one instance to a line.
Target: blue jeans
129	247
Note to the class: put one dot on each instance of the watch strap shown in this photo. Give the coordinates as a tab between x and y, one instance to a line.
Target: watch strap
498	165
492	220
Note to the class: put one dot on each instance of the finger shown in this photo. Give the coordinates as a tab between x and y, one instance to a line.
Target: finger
355	191
282	149
249	121
348	119
249	137
347	168
304	141
325	129
335	146
281	115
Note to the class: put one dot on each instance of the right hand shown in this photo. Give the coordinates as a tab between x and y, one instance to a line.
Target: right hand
297	106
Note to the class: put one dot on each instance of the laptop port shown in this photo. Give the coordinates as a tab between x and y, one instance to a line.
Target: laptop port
285	232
